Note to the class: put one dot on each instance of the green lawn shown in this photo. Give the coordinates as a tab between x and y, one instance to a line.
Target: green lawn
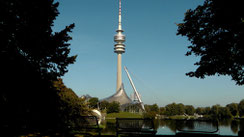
123	115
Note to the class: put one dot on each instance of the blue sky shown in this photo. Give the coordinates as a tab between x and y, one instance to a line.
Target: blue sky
154	53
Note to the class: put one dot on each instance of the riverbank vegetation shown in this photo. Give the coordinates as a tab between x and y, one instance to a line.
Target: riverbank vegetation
181	111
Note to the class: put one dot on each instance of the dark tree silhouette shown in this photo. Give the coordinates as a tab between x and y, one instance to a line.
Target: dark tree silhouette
26	31
233	107
31	57
216	31
241	107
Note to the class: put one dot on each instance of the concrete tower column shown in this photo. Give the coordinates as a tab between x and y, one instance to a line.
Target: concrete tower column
119	72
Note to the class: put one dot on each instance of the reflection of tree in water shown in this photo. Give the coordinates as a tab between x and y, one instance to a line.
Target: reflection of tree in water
161	123
171	124
185	124
189	124
137	124
225	122
242	125
156	124
234	126
110	127
131	124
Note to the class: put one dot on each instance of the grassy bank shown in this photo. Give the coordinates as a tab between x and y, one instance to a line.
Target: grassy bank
123	115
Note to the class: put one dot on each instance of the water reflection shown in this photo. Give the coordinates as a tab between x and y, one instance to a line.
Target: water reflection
234	126
169	127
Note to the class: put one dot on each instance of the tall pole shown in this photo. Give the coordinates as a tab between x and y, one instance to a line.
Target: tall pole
119	48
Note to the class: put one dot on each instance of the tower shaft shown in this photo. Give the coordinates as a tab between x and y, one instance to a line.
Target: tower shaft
119	72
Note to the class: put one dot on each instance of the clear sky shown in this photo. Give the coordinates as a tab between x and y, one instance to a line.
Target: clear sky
154	53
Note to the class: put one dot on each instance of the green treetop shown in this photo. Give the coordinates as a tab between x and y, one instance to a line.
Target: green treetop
216	31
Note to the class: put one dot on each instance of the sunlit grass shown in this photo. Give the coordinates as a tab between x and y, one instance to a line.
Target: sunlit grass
123	115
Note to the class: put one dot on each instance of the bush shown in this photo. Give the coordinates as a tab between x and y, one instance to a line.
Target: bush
150	114
113	107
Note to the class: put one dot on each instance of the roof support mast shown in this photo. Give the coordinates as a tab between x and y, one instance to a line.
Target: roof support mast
134	88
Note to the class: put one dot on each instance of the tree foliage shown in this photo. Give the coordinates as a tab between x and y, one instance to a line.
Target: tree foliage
150	114
153	107
199	110
216	31
104	104
233	107
241	107
32	56
224	113
180	109
70	106
26	31
113	107
93	102
189	110
215	112
162	110
151	111
174	109
220	112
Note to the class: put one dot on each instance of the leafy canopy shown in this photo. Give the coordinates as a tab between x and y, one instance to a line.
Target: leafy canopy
216	31
26	32
32	55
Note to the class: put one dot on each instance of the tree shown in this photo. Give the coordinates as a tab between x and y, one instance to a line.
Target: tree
150	114
93	102
189	109
151	111
70	106
113	107
216	31
199	111
154	108
162	110
174	109
31	56
206	110
224	113
215	110
171	109
104	104
180	109
241	107
233	107
26	31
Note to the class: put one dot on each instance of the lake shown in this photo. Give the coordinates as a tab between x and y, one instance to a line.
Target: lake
169	127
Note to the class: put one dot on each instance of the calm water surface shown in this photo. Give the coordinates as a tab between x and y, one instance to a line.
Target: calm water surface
169	127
